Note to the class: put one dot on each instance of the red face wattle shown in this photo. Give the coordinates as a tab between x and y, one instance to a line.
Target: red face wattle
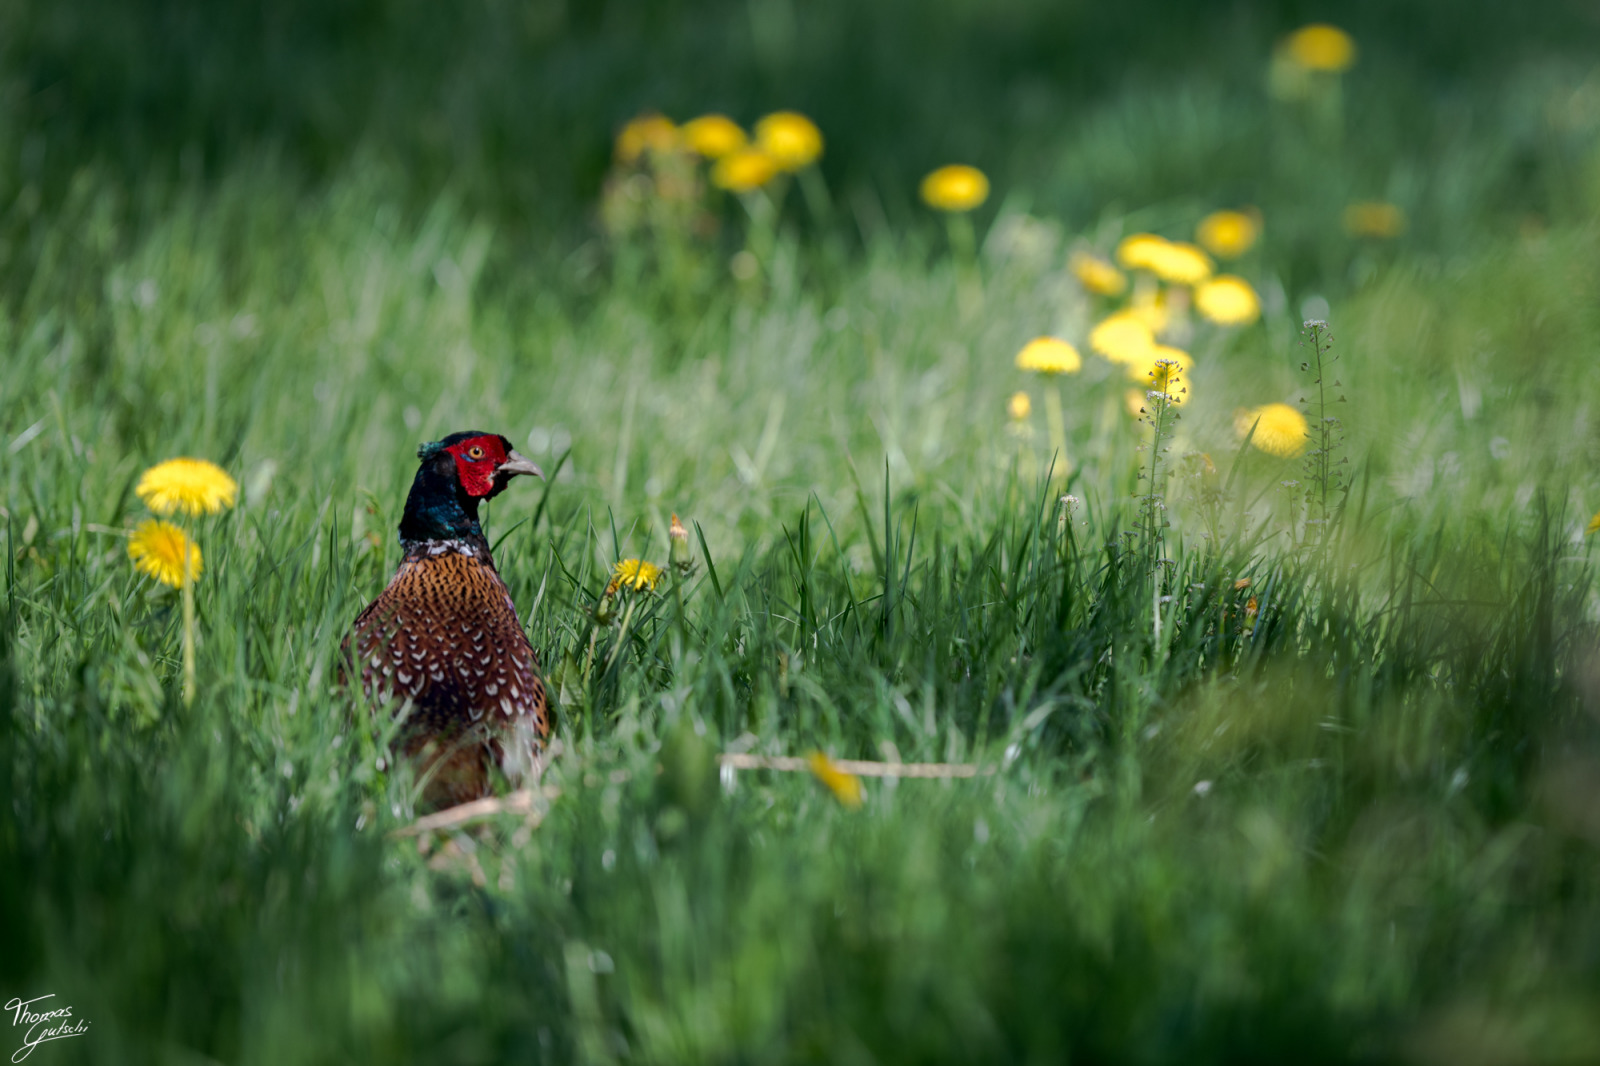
477	459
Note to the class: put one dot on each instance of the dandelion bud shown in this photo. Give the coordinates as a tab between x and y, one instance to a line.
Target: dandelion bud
678	552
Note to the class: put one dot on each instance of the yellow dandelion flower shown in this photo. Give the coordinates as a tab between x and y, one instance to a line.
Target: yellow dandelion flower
1374	219
192	486
1122	338
845	787
1097	275
1593	527
955	188
1180	263
744	170
634	574
1019	407
1228	301
1228	234
160	550
712	136
791	139
1280	429
1321	47
1138	251
1049	355
652	132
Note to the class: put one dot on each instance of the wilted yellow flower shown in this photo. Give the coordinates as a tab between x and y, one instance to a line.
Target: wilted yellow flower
712	136
1281	429
955	188
1049	355
1321	47
744	170
791	139
1159	366
845	787
649	132
634	574
1228	234
192	486
161	549
1097	275
1138	251
1122	338
1019	406
1374	219
1228	300
678	547
1180	263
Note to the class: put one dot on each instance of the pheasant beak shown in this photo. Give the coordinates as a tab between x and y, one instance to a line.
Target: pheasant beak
518	464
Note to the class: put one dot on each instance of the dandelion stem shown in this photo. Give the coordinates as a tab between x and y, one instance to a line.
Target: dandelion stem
622	634
1058	426
964	250
188	634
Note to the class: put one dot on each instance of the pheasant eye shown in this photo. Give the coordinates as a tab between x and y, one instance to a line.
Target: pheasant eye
475	452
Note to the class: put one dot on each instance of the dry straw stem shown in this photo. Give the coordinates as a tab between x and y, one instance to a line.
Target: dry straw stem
522	801
792	764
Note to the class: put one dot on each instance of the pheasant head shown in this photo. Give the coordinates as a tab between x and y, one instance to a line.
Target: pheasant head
458	473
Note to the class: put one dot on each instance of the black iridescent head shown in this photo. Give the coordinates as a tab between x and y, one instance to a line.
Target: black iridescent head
456	474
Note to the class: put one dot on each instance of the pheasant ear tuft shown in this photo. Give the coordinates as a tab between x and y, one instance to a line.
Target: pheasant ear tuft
428	449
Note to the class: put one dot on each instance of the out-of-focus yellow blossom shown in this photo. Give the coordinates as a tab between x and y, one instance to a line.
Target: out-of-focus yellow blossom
1097	275
163	551
1150	307
1374	218
744	170
1593	526
652	132
955	188
792	140
1180	263
846	787
1019	407
1138	251
1321	47
1122	338
192	486
1228	301
1049	355
712	136
1281	430
1228	234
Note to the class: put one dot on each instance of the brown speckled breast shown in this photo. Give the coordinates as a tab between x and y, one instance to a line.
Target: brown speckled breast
444	639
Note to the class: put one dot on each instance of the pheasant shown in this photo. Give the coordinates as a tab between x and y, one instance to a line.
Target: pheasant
443	640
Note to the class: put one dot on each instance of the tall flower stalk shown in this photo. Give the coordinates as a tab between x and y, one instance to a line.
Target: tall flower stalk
1327	435
1160	413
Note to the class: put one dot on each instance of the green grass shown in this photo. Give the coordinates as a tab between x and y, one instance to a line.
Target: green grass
1357	824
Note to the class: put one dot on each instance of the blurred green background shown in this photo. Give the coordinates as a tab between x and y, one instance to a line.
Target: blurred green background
1342	813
